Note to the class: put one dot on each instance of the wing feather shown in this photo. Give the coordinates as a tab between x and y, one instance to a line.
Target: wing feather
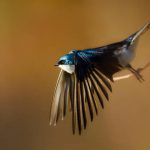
54	114
78	90
95	85
82	91
66	96
97	79
91	94
79	108
89	102
74	101
105	80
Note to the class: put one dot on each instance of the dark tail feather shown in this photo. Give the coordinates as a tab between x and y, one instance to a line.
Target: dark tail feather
134	36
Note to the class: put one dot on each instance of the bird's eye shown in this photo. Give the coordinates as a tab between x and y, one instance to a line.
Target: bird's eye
61	62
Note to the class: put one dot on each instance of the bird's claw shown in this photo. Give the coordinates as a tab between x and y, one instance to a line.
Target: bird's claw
138	75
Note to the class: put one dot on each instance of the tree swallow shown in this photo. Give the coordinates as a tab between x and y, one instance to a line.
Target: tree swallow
86	76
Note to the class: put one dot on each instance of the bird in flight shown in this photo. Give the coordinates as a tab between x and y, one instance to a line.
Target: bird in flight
86	76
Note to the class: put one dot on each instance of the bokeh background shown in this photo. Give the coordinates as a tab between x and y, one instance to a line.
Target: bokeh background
33	35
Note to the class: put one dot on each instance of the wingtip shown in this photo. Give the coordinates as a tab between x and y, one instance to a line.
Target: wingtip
80	133
52	123
107	98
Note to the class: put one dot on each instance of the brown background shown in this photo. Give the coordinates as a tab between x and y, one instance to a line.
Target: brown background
33	35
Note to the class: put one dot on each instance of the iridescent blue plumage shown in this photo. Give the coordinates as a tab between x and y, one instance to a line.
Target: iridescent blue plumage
67	59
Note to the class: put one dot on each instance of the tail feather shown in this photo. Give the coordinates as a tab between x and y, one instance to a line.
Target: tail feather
134	36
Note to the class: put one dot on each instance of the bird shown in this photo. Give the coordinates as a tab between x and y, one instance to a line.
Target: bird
85	79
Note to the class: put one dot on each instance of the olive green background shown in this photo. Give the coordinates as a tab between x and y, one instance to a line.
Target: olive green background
33	35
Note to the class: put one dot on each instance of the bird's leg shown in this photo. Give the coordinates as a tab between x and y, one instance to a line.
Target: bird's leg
135	72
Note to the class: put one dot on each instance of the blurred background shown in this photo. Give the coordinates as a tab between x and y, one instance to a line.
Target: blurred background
33	35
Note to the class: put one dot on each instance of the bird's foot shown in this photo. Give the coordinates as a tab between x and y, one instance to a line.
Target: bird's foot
136	73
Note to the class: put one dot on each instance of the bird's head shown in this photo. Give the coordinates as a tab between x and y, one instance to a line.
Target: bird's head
66	63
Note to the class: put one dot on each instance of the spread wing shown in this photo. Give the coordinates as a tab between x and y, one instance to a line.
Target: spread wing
81	92
89	84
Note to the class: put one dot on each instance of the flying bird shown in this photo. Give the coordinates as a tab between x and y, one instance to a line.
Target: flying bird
86	76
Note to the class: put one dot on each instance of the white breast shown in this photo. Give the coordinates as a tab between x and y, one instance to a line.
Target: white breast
68	68
125	55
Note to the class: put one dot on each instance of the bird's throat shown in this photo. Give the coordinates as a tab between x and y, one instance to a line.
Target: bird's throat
68	68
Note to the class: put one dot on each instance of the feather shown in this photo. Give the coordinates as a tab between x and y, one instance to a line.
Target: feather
66	95
90	105
91	94
95	85
82	93
73	102
105	80
78	106
56	99
97	79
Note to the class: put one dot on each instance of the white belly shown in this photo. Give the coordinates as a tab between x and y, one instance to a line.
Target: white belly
126	57
68	68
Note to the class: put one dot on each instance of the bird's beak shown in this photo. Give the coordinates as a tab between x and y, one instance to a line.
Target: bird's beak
140	32
56	65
